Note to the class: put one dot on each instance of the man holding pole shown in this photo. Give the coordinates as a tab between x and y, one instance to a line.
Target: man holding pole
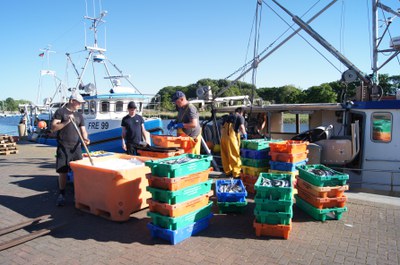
68	139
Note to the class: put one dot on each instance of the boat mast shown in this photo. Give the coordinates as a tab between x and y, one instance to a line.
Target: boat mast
375	41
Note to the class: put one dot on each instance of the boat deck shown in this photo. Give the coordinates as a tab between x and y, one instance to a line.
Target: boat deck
369	233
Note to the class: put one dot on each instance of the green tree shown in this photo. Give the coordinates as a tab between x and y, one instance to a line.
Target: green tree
11	104
385	84
320	94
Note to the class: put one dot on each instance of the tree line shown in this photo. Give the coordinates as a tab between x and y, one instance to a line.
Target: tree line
331	92
11	105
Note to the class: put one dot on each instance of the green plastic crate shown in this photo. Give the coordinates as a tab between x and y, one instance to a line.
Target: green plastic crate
174	223
273	205
320	214
181	195
273	193
257	144
382	126
273	218
258	163
232	207
161	168
335	179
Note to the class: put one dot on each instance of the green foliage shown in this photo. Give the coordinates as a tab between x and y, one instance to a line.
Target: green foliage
321	94
11	104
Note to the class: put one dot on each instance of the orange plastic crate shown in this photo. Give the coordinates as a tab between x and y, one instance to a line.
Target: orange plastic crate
174	184
322	192
288	146
383	136
179	209
160	154
321	203
170	141
288	157
110	193
281	231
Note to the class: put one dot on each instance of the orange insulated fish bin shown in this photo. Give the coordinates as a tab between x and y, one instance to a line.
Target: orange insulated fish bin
113	188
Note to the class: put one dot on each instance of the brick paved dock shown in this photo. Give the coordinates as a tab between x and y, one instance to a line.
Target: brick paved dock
369	233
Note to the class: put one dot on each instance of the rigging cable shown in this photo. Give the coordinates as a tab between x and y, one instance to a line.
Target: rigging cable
242	68
312	46
255	52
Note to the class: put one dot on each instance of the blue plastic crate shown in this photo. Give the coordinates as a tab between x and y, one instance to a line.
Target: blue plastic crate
176	236
283	166
255	154
239	196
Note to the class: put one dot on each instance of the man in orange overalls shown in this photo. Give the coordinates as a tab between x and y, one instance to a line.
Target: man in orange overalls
187	122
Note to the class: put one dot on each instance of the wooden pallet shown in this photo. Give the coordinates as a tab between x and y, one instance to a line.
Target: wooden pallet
8	152
6	139
7	145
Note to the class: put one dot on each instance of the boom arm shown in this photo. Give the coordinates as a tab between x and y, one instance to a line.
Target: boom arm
326	45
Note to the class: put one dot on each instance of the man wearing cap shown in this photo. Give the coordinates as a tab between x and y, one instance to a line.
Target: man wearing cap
68	140
133	131
187	122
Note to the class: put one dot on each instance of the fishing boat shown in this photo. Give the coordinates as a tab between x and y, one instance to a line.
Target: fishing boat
103	112
359	136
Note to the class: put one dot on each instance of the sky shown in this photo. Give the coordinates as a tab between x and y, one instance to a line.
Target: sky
163	43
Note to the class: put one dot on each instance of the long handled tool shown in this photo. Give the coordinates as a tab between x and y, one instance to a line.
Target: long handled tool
83	142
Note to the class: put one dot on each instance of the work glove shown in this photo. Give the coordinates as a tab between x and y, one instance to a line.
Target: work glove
171	125
245	136
178	125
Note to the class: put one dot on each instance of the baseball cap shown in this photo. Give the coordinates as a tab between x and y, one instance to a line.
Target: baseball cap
132	105
177	95
78	97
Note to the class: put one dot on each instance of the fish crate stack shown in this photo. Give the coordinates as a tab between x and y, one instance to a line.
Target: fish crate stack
255	159
7	145
231	195
286	155
180	203
273	205
321	192
183	143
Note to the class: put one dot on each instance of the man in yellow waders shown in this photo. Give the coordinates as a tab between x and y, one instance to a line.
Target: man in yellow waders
230	143
187	122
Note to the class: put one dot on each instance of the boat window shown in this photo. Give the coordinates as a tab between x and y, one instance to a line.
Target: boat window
85	107
381	126
295	123
105	106
119	106
92	107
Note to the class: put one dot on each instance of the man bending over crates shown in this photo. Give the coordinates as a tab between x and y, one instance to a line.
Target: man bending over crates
232	126
187	122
